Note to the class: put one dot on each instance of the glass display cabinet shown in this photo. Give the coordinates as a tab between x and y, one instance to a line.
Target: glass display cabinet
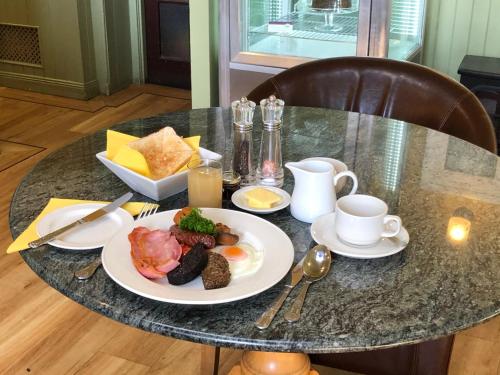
260	38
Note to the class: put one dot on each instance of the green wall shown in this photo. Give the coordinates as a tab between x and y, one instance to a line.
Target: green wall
66	45
87	46
114	35
203	20
456	28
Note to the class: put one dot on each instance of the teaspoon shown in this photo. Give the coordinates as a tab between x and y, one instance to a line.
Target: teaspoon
316	266
87	271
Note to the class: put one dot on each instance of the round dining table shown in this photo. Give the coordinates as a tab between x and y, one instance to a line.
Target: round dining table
439	284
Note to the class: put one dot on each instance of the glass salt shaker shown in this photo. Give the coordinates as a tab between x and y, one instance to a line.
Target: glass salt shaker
270	165
243	111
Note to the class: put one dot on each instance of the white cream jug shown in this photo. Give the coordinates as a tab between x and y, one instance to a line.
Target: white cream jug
314	191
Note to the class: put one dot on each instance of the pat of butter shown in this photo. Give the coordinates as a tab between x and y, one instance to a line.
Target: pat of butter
262	198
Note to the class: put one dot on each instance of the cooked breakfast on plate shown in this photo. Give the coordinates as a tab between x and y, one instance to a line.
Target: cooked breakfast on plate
193	246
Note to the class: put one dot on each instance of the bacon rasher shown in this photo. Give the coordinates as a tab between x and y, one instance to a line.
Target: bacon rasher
154	252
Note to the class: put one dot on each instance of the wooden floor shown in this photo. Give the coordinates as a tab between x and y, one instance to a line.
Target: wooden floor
43	332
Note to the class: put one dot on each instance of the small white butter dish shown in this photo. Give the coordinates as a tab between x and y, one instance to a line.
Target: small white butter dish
239	200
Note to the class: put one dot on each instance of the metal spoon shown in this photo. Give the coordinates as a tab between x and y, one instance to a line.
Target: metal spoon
87	271
316	266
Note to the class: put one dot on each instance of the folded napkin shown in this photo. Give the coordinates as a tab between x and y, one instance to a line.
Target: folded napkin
117	150
30	234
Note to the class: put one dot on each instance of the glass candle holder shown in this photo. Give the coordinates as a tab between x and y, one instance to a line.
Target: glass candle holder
458	229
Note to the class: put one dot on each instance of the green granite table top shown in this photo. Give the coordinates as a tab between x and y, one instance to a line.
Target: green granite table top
432	288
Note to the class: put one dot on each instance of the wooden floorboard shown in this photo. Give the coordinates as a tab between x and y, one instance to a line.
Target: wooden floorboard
12	153
96	103
43	332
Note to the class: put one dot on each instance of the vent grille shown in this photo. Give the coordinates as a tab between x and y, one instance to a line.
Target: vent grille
19	44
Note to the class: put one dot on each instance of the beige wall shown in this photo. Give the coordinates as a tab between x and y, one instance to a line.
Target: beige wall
456	28
65	44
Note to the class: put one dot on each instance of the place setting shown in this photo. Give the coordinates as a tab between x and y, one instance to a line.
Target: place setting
361	228
77	225
202	253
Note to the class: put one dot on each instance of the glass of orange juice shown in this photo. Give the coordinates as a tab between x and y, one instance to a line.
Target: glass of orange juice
205	183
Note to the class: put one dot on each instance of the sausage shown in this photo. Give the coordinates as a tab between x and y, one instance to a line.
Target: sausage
191	238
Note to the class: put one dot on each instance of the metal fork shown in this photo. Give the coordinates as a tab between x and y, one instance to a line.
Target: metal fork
87	271
147	210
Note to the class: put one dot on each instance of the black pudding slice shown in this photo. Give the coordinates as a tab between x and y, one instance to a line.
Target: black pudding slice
191	266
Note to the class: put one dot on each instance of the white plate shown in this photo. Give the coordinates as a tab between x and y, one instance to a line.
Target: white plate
338	166
238	198
86	236
323	232
154	189
261	234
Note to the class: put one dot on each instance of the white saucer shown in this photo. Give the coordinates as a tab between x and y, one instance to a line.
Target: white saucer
338	166
87	236
323	232
238	198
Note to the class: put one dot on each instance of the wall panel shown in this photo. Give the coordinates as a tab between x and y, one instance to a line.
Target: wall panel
492	45
456	28
65	41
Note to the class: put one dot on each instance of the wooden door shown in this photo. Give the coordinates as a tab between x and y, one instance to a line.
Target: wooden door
167	42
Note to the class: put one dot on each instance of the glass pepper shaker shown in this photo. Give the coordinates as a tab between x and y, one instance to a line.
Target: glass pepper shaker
243	111
270	165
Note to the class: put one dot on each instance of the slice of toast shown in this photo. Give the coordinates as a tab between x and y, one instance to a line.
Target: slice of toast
164	151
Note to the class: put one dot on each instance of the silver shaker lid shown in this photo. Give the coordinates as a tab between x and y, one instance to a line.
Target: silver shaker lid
272	110
243	111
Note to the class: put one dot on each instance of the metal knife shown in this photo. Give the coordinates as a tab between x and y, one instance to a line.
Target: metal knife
87	219
267	317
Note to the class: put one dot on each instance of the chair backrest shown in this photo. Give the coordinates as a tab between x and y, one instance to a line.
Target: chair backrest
388	88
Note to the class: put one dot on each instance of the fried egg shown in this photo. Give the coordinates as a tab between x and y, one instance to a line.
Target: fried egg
243	259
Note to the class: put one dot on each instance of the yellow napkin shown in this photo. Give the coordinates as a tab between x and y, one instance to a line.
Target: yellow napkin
194	143
118	151
30	234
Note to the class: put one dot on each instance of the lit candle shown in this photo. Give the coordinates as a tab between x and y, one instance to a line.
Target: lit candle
458	228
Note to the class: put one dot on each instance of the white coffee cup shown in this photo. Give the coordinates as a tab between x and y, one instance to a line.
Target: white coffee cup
362	220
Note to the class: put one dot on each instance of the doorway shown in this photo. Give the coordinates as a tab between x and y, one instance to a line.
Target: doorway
167	42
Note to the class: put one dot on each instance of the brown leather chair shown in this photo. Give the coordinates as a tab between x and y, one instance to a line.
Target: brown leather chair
402	91
388	88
